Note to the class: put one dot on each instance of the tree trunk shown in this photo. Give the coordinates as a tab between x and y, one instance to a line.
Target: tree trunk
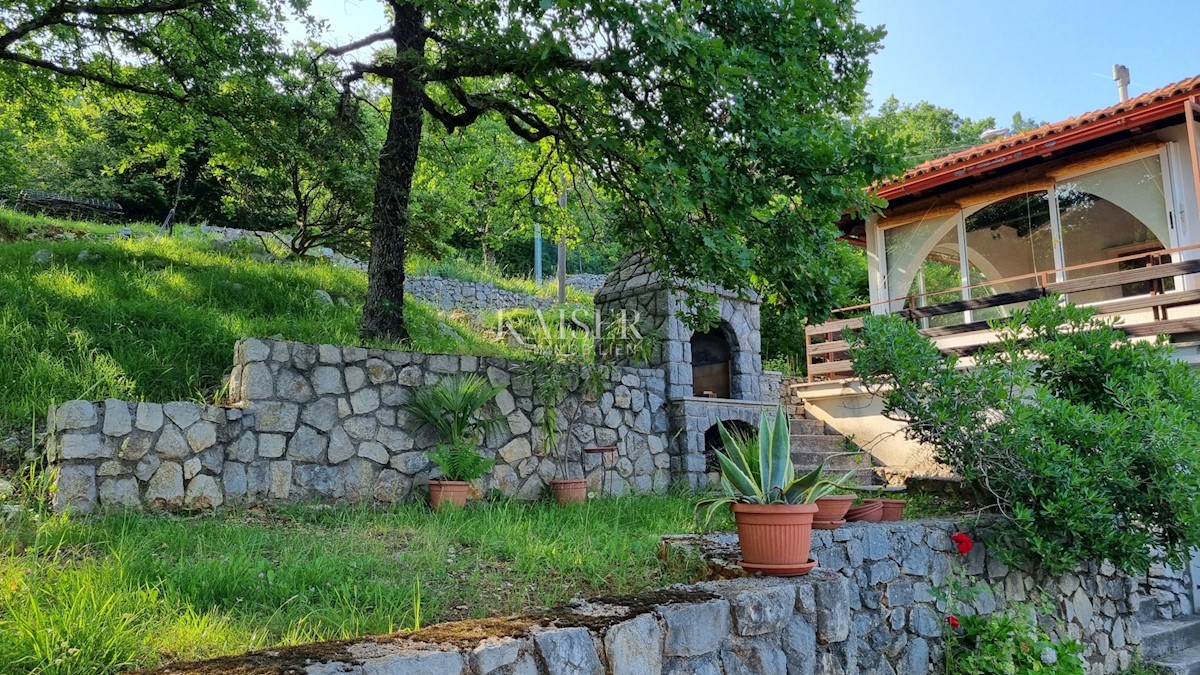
383	315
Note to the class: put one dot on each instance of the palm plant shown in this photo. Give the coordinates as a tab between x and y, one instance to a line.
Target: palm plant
758	469
451	406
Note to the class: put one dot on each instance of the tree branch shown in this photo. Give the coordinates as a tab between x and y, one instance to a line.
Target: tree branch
358	44
55	14
99	78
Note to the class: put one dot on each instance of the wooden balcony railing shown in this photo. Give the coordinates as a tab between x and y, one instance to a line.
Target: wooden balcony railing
827	350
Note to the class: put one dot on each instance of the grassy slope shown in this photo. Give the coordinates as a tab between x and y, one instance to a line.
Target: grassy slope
136	590
156	319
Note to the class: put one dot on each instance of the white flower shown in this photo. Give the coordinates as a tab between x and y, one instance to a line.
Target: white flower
1049	656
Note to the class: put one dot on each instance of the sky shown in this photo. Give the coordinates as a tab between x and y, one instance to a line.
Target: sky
1048	59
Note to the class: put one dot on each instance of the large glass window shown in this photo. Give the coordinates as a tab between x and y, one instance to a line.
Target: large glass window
1011	244
923	262
1109	214
1008	243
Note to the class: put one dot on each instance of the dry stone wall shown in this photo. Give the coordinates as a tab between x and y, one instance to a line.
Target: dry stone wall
322	422
868	608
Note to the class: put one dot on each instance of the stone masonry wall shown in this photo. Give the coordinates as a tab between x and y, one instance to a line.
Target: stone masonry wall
321	422
866	609
470	296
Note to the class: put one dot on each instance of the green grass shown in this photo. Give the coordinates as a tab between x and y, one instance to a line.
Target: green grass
453	268
135	590
156	318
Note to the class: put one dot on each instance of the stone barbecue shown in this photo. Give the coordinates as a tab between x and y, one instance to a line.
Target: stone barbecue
711	376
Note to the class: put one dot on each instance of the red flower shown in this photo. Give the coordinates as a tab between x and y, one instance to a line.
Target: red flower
952	621
963	542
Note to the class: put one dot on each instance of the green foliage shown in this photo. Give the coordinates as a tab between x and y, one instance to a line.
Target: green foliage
156	319
758	469
144	590
1085	442
451	406
460	462
1012	641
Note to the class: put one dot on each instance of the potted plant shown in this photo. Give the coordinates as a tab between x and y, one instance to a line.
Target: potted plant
553	378
772	507
451	406
893	509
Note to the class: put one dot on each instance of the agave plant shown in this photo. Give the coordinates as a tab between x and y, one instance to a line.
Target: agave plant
758	469
451	406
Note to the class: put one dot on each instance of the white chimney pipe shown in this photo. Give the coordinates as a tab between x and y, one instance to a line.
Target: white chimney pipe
1121	76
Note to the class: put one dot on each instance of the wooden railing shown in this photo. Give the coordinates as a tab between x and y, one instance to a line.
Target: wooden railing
827	348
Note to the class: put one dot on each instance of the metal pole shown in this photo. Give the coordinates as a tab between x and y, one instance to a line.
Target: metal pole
562	254
537	252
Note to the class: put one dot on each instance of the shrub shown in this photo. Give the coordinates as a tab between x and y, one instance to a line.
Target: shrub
1086	443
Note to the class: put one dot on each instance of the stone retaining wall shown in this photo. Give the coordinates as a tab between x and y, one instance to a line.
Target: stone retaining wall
867	609
470	296
321	422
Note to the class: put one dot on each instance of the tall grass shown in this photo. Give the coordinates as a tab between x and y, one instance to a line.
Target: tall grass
133	589
156	318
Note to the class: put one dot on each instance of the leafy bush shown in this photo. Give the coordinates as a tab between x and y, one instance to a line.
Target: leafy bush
1086	443
451	406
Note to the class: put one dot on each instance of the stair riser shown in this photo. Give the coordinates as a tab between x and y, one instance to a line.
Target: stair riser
807	428
805	461
828	444
1183	635
1183	663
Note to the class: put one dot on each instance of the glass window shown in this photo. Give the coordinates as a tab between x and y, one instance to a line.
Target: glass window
1113	213
923	262
1006	239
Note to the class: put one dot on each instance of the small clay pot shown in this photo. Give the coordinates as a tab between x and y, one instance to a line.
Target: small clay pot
448	493
867	513
831	511
893	509
570	491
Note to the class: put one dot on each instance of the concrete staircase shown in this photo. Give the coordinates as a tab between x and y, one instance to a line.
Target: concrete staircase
1171	644
812	442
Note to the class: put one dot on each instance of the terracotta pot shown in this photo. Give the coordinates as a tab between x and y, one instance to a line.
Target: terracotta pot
775	538
893	509
831	511
867	513
570	491
448	492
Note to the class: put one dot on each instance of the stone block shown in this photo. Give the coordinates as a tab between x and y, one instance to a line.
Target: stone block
800	645
361	428
276	416
359	476
171	443
354	354
516	450
373	451
134	446
279	480
233	480
307	445
203	493
75	415
568	651
753	657
86	445
201	436
191	467
327	380
635	647
695	629
325	481
833	609
149	417
443	363
120	492
165	488
257	382
356	378
364	401
502	656
329	354
117	420
146	467
291	386
696	665
415	663
341	447
762	610
379	371
76	489
391	486
182	414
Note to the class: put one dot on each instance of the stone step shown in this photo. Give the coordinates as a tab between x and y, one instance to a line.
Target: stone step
812	459
813	443
1185	662
1160	638
807	427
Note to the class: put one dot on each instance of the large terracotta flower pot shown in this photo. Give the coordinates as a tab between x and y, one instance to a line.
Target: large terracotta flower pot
867	513
570	491
893	509
831	511
775	538
448	492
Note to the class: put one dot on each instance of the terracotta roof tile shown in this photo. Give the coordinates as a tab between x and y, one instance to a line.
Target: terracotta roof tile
981	151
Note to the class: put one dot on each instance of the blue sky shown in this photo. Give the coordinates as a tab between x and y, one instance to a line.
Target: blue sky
1049	59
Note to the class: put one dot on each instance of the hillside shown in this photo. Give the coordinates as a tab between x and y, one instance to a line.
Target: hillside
141	317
